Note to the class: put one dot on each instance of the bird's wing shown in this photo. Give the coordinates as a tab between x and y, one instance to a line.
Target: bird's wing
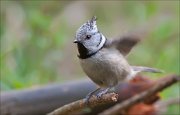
124	44
146	69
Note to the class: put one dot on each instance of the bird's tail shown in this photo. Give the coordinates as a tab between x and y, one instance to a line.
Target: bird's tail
138	69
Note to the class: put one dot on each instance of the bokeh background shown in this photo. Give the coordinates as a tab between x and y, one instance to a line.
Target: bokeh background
37	39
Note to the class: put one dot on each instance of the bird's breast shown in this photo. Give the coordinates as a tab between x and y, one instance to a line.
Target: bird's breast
106	68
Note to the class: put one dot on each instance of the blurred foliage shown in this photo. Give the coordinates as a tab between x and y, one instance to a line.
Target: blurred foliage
36	38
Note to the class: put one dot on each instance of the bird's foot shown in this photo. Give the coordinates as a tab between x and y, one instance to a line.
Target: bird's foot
100	94
86	100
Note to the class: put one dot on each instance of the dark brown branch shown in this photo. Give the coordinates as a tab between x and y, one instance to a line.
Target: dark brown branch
42	100
127	89
118	108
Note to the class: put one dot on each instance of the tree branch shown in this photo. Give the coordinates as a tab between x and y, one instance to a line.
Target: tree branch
121	89
42	100
80	104
118	108
161	106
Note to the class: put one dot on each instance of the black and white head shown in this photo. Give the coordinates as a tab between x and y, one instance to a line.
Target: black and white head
89	40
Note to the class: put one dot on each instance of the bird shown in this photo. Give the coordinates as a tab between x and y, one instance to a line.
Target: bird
104	60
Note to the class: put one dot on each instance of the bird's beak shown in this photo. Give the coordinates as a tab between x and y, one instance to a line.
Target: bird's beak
76	41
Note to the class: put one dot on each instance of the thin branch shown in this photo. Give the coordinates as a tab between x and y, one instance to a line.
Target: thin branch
118	108
161	106
80	104
173	101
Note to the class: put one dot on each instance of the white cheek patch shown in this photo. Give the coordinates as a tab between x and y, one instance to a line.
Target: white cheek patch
103	40
93	45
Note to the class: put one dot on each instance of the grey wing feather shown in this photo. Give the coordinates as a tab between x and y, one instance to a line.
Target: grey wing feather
124	44
146	69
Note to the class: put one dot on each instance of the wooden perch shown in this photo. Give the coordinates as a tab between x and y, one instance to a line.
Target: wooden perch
162	106
115	110
122	91
42	100
80	104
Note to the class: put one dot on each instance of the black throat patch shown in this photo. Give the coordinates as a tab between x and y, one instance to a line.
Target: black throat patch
83	51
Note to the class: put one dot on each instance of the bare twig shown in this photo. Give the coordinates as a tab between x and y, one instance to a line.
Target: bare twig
161	106
80	104
118	108
164	103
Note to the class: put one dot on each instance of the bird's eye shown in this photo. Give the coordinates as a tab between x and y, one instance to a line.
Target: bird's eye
88	36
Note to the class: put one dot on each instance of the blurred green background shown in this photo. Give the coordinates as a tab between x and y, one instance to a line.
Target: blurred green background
37	38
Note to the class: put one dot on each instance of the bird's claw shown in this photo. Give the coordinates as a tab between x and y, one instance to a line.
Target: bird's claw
86	100
100	94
